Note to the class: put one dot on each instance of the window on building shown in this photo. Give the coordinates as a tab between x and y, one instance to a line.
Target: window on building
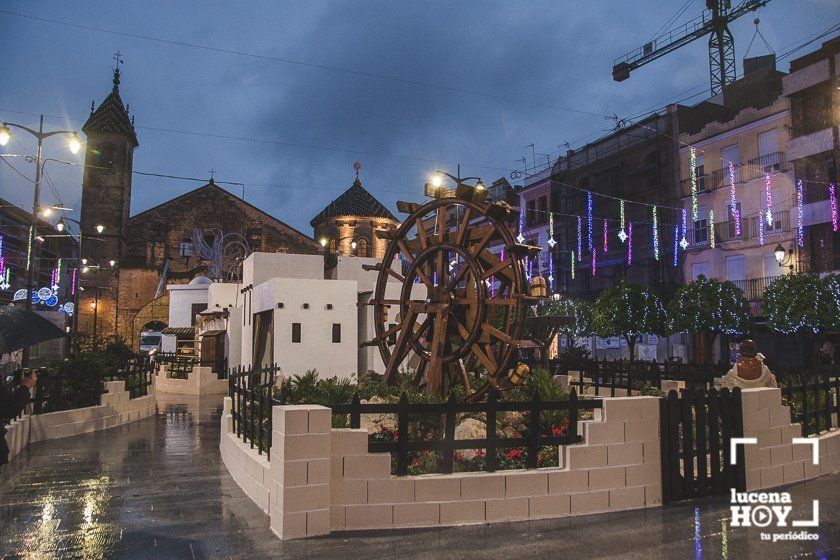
186	249
296	333
254	236
195	309
530	213
735	268
336	333
699	269
332	245
362	247
731	220
701	227
700	173
768	148
542	208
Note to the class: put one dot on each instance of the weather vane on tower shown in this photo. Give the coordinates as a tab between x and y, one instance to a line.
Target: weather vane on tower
357	166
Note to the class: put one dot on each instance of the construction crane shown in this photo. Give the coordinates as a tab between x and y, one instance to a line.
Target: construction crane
713	22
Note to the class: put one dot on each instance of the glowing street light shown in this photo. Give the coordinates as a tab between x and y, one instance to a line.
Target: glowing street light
74	144
5	135
437	180
100	228
323	242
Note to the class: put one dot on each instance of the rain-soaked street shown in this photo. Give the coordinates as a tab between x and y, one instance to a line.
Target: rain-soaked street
158	489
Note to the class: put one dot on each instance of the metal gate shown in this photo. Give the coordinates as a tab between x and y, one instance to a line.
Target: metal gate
696	429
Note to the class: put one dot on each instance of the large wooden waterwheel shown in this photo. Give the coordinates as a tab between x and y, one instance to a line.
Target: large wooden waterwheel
461	306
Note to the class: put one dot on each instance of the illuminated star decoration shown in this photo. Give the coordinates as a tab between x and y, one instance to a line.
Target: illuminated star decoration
551	241
800	225
768	197
693	170
832	199
589	221
622	235
520	238
655	228
684	241
733	201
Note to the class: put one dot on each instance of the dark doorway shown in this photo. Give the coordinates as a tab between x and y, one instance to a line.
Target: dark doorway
263	339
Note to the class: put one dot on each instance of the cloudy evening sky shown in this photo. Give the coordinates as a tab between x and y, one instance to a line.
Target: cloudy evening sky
295	130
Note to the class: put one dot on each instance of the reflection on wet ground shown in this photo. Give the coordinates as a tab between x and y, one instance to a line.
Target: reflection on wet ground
157	489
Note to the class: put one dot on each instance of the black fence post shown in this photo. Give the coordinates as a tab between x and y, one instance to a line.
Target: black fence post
714	441
355	412
449	434
572	431
402	436
534	431
490	459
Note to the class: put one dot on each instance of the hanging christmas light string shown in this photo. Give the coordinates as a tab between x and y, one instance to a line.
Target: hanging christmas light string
769	198
683	240
589	220
832	199
629	243
760	221
622	235
572	268
800	222
73	282
712	229
551	241
551	270
520	238
693	171
676	244
733	201
580	238
594	261
655	227
606	237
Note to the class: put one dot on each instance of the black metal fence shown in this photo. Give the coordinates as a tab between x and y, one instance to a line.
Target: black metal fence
607	378
251	393
447	445
696	428
137	375
181	365
813	399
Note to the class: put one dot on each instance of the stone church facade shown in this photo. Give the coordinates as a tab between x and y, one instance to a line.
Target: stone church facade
128	263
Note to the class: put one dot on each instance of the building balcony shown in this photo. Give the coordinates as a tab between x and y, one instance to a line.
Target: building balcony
753	169
807	145
754	288
726	232
806	77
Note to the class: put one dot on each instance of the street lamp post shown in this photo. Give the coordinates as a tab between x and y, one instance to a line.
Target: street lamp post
74	145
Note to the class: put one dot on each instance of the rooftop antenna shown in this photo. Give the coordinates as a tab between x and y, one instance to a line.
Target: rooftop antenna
212	175
118	58
357	166
533	155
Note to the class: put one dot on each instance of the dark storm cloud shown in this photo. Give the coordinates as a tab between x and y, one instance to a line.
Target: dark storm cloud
555	53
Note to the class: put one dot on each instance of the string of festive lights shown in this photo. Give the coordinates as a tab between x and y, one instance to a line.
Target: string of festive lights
832	199
551	270
676	244
693	171
683	240
655	227
594	261
29	249
760	221
800	222
73	282
733	201
622	235
573	265
629	243
712	229
580	238
551	241
769	198
519	237
589	221
606	237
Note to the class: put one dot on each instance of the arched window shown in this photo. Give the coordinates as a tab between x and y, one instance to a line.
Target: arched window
362	248
332	245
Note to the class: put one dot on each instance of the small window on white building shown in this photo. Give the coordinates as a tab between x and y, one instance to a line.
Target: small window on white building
699	269
296	333
336	333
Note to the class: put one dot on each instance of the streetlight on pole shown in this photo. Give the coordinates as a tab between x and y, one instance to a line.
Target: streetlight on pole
74	144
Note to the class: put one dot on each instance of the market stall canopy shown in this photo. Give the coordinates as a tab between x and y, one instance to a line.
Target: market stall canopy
20	327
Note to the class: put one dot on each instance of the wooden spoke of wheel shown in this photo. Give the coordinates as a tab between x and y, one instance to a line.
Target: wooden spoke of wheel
400	348
475	251
486	359
464	228
435	369
491	330
410	256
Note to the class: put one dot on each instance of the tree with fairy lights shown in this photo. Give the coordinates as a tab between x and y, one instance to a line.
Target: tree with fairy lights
708	308
578	310
628	310
799	304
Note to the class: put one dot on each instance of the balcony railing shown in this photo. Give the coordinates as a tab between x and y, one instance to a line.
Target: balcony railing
754	168
753	288
726	231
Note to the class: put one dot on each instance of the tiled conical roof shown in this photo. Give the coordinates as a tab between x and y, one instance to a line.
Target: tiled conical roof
355	201
111	116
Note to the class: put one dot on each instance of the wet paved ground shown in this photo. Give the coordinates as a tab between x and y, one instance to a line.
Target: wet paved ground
157	489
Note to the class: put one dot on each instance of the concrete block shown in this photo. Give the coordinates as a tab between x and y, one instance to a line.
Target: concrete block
586	456
289	525
477	486
395	490
757	457
781	454
606	478
290	419
462	512
303	446
624	454
337	520
513	509
753	478
779	416
649	407
526	483
620	409
346	492
318	522
336	467
767	437
772	476
646	473
369	466
565	482
793	472
416	514
590	502
437	488
369	516
801	452
557	505
306	498
349	442
750	400
653	494
320	420
641	430
651	451
595	433
318	471
770	398
632	497
810	469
